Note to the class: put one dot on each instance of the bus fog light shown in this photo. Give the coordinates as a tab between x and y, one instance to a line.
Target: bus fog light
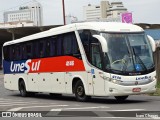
114	81
154	78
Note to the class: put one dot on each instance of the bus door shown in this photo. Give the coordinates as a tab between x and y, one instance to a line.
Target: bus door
96	69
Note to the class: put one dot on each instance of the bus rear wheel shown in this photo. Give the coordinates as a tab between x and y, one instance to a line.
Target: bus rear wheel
121	98
22	89
80	92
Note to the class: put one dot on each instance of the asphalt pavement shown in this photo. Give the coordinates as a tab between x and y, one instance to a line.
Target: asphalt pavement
66	107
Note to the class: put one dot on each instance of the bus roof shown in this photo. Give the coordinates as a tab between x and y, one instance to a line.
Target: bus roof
99	26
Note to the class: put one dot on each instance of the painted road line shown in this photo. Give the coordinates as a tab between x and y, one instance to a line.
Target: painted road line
13	104
1	102
129	110
13	100
19	108
79	108
16	102
9	99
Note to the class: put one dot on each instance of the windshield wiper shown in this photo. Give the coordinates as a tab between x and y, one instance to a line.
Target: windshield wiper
137	56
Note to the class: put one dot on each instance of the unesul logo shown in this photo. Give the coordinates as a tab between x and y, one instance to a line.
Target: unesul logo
25	67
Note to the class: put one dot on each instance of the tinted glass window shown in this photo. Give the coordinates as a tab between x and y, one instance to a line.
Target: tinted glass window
53	42
70	45
47	48
96	55
35	49
6	52
41	50
29	50
64	44
87	40
24	52
13	52
59	45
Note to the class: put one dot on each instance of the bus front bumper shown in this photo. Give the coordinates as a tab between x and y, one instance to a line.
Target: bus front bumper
113	89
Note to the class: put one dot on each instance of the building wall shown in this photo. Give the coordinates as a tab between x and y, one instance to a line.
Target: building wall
92	12
105	10
32	12
104	7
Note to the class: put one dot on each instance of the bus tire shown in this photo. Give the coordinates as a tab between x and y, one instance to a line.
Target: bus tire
121	98
80	92
22	89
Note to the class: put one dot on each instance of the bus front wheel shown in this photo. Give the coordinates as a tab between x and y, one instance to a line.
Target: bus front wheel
121	98
80	92
22	89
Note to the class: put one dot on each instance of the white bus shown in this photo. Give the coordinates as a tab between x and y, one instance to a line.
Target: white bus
85	59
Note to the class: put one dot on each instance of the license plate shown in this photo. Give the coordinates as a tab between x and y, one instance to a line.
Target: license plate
136	90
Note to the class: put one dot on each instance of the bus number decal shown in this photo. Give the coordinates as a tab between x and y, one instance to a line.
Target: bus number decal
69	63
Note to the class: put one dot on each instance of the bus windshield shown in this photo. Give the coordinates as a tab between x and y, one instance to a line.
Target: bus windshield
128	53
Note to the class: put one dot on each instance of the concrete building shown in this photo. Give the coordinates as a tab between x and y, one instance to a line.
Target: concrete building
106	10
32	13
116	8
92	12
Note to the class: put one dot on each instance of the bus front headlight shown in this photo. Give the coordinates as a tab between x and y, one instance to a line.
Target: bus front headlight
116	81
113	80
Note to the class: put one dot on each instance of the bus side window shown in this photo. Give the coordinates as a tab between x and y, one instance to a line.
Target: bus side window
13	53
10	52
24	53
67	44
59	46
41	49
70	45
6	52
96	55
53	46
35	49
87	39
47	48
75	47
18	53
29	50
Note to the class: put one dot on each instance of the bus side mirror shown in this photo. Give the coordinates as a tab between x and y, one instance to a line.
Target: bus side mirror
102	41
152	42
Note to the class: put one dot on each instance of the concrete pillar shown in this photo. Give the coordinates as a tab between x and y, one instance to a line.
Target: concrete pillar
12	32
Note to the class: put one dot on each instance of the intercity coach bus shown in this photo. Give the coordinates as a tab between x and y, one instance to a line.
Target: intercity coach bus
86	59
